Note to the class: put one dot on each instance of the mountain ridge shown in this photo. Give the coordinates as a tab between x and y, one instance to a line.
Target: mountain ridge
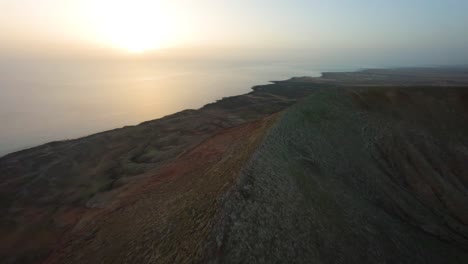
197	186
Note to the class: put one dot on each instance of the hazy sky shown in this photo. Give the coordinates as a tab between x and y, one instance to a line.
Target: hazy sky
72	67
433	31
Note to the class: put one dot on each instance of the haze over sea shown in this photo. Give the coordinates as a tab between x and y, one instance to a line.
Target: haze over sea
48	100
71	68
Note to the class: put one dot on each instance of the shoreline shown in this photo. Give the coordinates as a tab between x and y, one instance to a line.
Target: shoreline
410	76
76	186
252	89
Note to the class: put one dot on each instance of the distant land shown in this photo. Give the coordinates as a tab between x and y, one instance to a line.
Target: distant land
353	167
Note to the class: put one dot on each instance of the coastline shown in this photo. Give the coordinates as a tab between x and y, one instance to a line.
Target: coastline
252	89
78	102
429	76
55	196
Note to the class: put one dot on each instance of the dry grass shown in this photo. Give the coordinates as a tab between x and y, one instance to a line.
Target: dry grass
168	217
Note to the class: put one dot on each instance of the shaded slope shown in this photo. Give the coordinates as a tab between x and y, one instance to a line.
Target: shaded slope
375	175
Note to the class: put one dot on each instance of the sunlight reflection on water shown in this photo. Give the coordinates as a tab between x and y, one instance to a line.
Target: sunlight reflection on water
45	102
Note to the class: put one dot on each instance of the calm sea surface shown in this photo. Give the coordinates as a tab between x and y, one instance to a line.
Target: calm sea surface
42	101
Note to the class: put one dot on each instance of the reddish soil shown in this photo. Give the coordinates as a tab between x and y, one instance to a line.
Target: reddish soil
167	217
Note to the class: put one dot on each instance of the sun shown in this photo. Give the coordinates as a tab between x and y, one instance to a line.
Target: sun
137	37
134	26
135	50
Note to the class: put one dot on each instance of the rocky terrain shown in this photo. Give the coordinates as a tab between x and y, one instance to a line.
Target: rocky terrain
356	176
364	167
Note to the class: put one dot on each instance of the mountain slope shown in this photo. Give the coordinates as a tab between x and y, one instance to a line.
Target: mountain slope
373	175
346	168
50	191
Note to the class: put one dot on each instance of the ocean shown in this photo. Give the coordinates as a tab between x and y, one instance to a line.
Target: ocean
50	100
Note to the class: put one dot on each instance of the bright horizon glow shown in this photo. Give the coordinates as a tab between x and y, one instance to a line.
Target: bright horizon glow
133	26
400	32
